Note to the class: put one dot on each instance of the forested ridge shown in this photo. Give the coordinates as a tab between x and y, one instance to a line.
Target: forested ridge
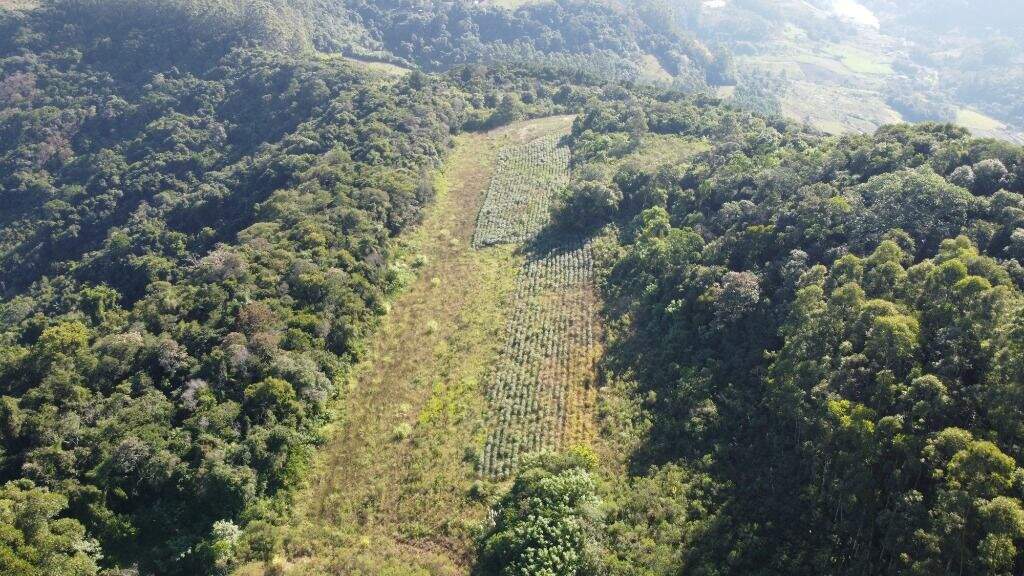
811	344
573	35
194	242
820	335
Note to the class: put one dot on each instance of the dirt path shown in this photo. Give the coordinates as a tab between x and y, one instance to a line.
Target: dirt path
395	489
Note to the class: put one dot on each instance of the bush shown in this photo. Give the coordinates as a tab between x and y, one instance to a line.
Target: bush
547	524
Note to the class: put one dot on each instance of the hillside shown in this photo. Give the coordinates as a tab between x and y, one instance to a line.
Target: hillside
595	38
501	288
193	242
845	66
813	354
197	234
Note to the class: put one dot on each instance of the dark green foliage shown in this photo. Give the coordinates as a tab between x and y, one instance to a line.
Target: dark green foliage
194	243
824	327
587	36
885	366
586	205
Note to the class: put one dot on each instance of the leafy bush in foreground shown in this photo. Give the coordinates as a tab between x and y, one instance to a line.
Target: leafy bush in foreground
546	524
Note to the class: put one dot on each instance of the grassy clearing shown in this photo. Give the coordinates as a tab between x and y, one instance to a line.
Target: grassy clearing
836	109
382	67
985	126
860	61
974	120
725	92
513	4
658	149
18	4
824	64
393	490
652	71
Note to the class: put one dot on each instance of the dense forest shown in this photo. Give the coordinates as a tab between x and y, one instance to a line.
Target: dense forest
812	348
571	34
822	333
193	243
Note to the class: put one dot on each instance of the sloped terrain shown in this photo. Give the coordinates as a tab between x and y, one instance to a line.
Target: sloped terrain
397	486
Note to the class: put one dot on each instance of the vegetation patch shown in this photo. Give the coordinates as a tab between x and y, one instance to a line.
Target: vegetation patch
547	362
860	61
518	201
986	126
651	70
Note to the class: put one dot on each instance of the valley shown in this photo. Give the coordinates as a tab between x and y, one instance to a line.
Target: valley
841	68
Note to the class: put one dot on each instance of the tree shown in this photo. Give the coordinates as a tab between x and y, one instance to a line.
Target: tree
586	205
35	541
509	110
989	176
919	202
547	524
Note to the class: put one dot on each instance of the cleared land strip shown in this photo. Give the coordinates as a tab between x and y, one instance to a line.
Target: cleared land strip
543	374
393	489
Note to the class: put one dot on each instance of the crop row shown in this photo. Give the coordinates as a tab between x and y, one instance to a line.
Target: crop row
518	200
548	355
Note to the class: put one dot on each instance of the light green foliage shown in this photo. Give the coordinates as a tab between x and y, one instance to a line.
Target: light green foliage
35	541
546	524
